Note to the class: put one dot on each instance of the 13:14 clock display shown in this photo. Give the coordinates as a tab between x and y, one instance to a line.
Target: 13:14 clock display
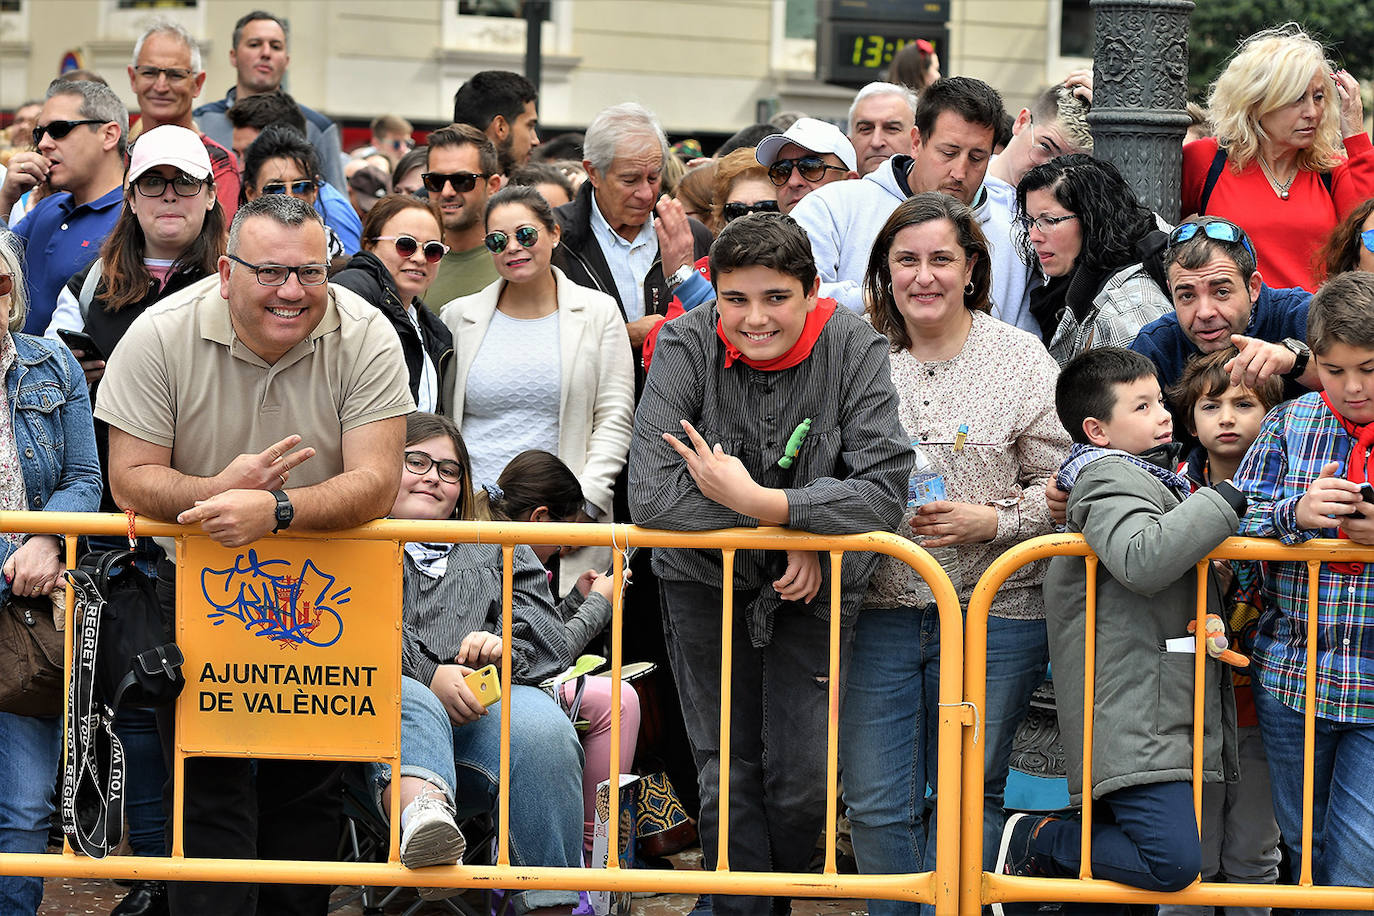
876	51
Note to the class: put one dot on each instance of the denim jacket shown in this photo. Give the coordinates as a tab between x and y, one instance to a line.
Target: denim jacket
50	411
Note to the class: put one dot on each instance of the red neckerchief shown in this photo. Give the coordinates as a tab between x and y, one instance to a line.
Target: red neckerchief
811	332
1357	469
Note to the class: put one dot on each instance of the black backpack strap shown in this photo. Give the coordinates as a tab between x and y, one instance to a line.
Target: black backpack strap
1326	181
92	787
1213	173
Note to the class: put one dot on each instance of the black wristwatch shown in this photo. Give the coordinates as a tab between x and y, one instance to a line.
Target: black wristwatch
285	511
1301	355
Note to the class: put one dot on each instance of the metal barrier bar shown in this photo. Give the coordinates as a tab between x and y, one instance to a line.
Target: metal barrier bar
984	888
939	888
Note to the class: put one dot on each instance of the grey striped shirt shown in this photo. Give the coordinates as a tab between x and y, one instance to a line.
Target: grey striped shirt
849	477
438	613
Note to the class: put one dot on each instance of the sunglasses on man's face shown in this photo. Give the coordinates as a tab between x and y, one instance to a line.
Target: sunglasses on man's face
298	188
736	209
407	245
59	129
462	182
525	235
812	168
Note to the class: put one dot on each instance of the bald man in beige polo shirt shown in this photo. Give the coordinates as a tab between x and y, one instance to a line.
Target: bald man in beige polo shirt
256	400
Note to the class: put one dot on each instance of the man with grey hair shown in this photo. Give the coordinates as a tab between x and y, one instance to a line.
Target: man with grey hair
611	239
165	75
259	54
257	400
78	150
880	122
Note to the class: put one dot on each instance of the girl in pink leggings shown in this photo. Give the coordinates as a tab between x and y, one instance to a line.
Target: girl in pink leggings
537	487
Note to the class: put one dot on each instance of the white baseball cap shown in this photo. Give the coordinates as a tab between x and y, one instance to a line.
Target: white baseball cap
169	145
811	134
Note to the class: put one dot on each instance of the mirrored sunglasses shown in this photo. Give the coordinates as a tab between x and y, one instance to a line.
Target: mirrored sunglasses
1367	236
407	245
525	235
1220	230
298	188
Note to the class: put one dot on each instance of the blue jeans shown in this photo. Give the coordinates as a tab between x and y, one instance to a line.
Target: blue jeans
30	748
1342	796
1153	843
545	773
886	741
777	731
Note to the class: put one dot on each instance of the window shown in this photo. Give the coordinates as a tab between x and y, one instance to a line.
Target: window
506	9
800	19
9	6
1075	28
155	4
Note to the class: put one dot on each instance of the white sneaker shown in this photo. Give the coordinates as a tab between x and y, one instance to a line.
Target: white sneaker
431	837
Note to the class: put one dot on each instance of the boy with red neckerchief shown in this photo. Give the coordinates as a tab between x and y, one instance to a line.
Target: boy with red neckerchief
771	407
1303	477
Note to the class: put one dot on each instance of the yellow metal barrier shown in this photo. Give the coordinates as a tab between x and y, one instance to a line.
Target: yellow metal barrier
977	887
248	738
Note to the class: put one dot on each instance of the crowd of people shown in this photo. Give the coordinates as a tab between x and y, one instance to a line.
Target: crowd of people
949	321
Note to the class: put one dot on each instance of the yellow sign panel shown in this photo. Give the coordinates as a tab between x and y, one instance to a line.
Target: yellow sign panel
293	648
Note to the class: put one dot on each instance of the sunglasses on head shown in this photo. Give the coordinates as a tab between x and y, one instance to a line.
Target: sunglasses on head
462	182
1220	230
1367	236
812	168
525	235
736	209
60	129
298	188
407	245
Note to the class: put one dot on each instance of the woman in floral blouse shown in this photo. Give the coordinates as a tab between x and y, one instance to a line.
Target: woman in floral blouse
977	401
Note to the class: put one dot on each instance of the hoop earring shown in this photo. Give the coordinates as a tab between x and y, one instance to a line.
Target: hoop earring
968	289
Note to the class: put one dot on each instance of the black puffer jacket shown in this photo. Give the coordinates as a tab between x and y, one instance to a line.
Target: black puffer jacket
366	275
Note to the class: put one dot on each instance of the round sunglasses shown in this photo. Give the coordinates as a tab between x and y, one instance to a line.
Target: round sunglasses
525	235
407	245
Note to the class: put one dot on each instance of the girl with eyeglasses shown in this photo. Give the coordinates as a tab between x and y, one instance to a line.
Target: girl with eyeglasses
1097	248
451	625
282	161
540	362
402	247
169	236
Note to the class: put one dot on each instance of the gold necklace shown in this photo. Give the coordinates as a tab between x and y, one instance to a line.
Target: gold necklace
1280	187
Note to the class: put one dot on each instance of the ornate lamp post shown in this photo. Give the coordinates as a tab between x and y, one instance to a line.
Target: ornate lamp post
1140	79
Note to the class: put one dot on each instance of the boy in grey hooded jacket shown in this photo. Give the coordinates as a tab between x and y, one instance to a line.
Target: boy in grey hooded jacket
1147	533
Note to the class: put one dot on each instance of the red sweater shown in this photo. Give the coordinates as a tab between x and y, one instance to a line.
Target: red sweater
1286	233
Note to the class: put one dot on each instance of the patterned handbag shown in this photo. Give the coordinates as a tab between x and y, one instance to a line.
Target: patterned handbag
662	826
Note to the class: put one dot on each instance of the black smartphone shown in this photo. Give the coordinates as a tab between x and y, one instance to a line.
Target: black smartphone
1367	492
80	340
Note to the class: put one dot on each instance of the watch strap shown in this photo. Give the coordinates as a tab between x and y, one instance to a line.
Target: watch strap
284	512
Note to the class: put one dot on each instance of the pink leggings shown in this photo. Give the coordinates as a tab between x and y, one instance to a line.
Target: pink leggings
596	740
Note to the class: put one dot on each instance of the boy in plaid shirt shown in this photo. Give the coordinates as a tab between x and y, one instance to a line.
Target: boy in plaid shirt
1303	477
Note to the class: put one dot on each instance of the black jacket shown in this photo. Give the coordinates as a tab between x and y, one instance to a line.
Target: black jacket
366	275
580	257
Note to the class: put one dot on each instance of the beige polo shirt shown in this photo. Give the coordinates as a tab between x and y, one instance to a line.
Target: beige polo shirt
180	378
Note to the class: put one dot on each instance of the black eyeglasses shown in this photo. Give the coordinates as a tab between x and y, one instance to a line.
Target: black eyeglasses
407	245
736	209
298	188
276	274
525	235
812	168
1220	230
174	74
419	463
1045	223
462	182
60	129
151	184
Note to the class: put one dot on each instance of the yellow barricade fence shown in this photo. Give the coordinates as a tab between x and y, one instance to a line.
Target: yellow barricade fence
978	887
319	616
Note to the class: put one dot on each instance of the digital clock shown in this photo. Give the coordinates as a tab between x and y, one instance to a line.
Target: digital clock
855	53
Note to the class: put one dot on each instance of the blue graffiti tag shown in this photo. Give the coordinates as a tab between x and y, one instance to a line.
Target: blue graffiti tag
272	603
